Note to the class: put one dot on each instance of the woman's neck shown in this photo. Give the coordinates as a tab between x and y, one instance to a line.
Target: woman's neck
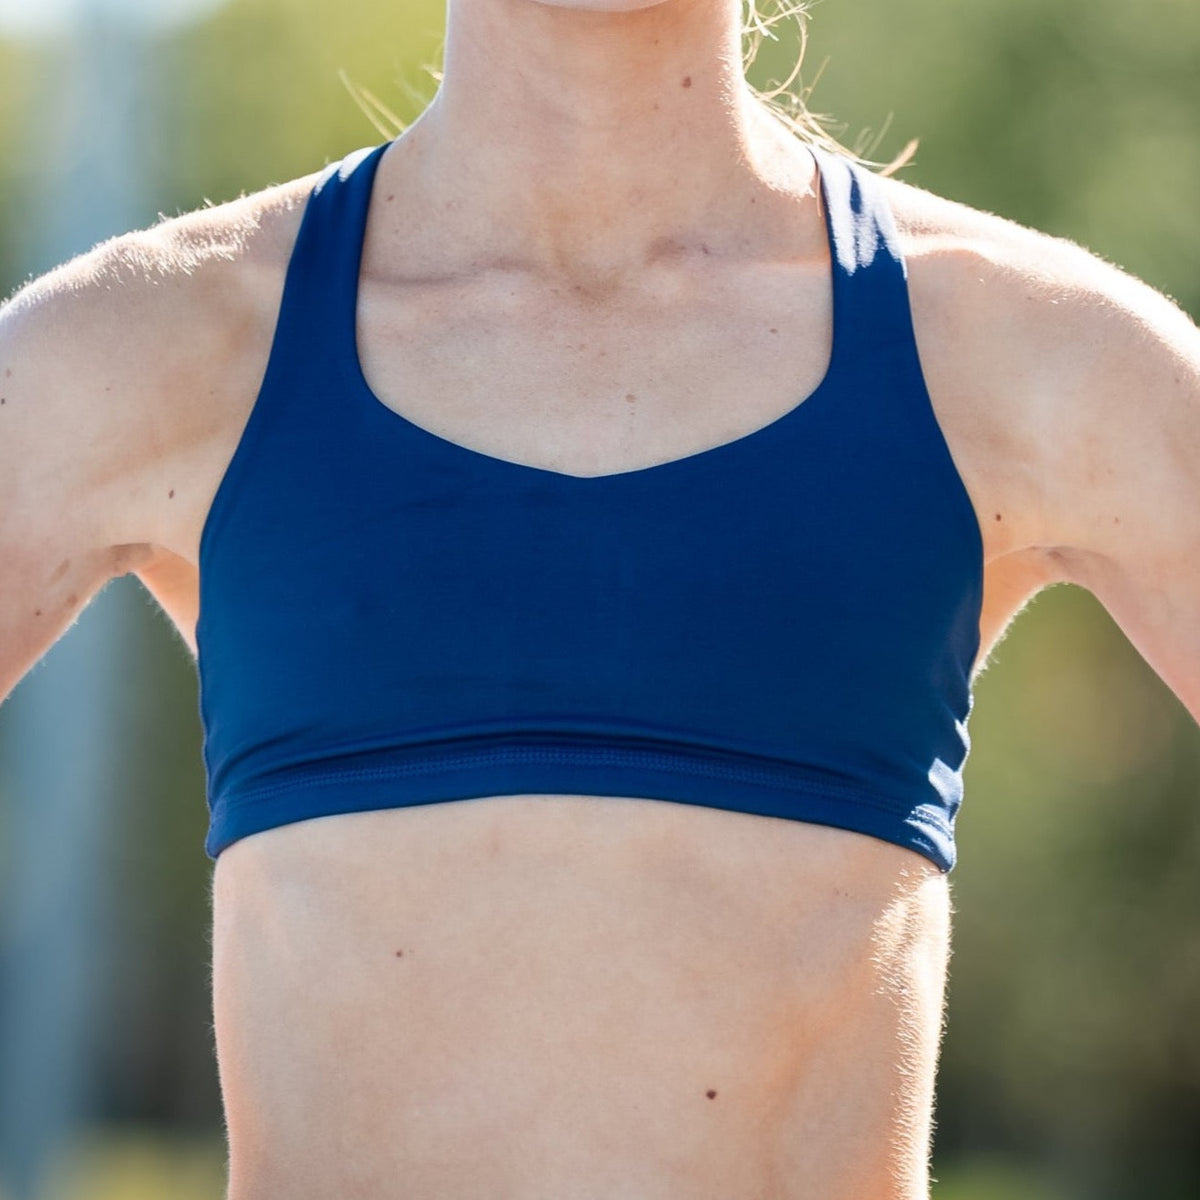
595	141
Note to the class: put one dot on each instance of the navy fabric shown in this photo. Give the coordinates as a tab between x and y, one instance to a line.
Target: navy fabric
782	625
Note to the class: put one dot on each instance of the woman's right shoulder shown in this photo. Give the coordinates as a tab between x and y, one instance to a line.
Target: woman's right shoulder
125	362
141	342
149	278
146	300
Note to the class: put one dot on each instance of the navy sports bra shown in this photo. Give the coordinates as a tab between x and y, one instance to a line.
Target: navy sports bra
783	625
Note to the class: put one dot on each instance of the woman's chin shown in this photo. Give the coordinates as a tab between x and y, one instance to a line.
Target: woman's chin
613	6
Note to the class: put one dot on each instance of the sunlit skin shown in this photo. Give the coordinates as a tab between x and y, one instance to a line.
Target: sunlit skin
604	6
622	131
578	997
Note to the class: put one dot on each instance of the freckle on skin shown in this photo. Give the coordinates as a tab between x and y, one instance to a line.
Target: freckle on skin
999	517
73	599
774	330
37	612
630	397
711	1094
171	494
687	81
399	953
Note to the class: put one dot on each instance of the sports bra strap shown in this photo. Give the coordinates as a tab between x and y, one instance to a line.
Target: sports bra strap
870	290
872	313
320	295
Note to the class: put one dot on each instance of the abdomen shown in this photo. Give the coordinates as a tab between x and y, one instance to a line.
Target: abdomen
576	997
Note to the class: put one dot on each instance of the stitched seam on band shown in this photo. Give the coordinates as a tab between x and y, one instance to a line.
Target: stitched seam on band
780	780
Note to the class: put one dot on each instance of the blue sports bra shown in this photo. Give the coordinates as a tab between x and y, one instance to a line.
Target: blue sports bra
782	625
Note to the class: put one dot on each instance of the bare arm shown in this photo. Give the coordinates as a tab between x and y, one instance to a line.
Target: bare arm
126	376
1072	395
1123	442
62	536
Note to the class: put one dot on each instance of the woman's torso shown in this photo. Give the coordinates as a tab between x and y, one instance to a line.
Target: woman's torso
572	996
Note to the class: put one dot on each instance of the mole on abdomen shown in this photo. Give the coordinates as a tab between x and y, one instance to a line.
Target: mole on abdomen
711	1094
399	953
687	81
171	494
999	517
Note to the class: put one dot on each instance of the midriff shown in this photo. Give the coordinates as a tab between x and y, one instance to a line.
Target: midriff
576	998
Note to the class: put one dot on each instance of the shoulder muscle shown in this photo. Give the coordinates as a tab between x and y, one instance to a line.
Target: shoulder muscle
104	366
1084	384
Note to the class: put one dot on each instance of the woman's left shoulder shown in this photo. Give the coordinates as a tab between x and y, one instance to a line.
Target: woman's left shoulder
1100	375
989	268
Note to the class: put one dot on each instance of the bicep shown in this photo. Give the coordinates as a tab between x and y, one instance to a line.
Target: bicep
1128	461
49	578
57	543
1156	602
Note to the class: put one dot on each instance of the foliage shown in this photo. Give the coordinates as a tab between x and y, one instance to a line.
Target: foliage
139	1164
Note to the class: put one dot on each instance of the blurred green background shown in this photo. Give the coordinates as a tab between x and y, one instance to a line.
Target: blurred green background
1071	1067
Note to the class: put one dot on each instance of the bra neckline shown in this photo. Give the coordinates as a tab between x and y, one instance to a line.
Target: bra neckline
350	361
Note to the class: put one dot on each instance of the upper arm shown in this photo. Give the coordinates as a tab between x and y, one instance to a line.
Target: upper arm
119	371
63	456
1123	488
1071	390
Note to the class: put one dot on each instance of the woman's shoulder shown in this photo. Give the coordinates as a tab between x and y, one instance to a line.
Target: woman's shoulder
141	304
1031	317
1083	383
994	276
155	318
961	244
118	366
146	280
